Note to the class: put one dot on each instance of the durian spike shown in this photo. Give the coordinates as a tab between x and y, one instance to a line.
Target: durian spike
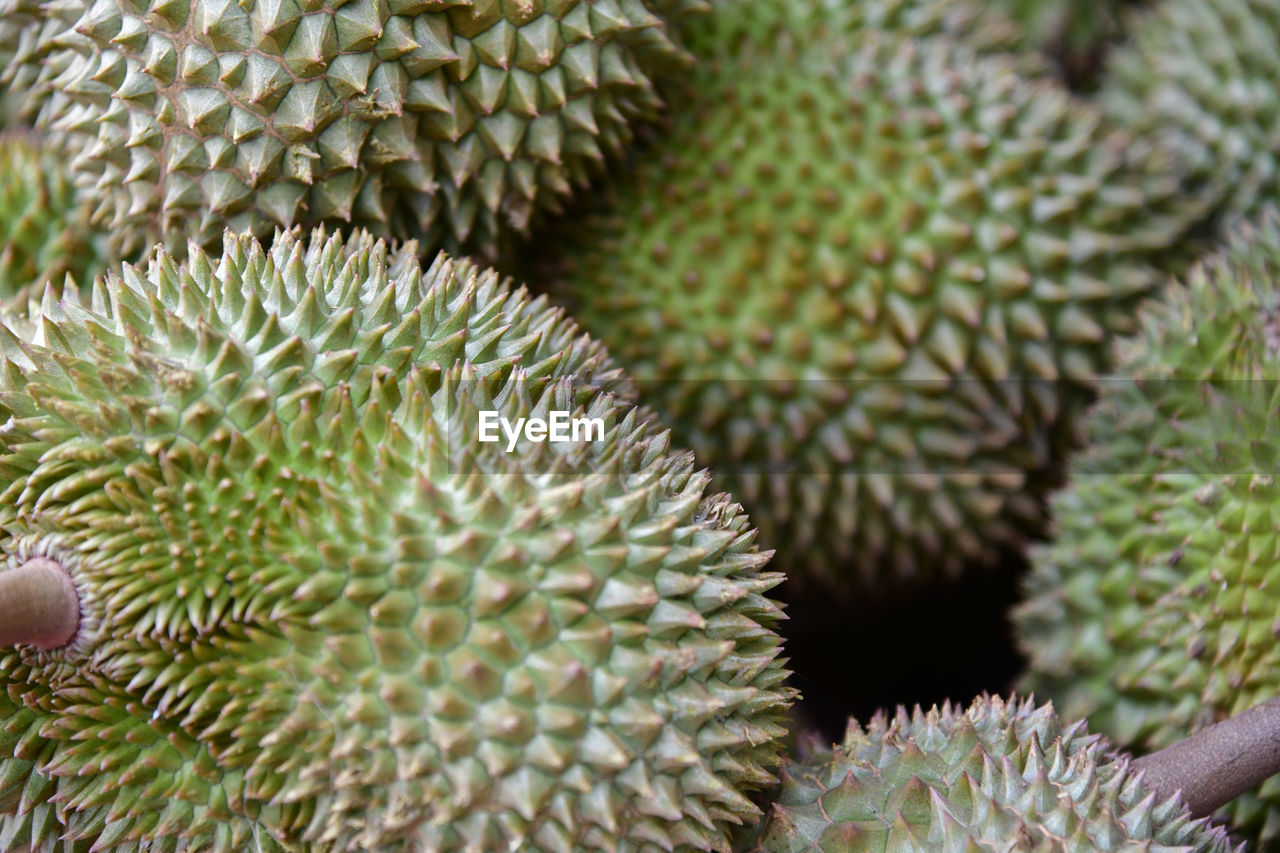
39	605
1218	764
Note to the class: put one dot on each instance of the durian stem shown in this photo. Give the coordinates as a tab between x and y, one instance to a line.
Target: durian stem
1218	764
39	605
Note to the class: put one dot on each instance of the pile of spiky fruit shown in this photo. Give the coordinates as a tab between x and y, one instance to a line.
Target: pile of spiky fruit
293	556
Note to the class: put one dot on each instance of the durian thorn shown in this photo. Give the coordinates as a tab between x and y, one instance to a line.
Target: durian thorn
1215	765
39	605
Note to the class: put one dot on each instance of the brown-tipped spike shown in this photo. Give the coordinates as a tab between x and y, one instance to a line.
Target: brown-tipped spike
38	605
1217	764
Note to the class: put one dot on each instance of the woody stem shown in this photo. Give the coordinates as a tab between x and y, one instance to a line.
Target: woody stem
39	605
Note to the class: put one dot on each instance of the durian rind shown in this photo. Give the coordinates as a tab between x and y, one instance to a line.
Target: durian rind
1198	79
869	285
327	617
733	26
44	229
1152	610
999	775
450	121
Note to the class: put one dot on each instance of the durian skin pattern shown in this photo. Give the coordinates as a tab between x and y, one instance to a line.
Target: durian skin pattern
1199	79
44	231
1153	609
444	119
868	282
320	616
997	776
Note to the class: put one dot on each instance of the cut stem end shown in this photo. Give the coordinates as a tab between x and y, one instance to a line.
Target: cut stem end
39	605
1215	765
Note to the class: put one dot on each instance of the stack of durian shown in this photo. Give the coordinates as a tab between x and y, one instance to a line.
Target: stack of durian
950	328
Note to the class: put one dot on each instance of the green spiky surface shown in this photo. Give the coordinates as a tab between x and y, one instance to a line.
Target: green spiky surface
318	615
998	776
444	119
887	271
1072	24
1200	79
44	232
26	42
1154	609
734	24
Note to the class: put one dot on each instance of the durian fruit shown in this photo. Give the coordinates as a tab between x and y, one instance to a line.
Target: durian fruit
1153	610
733	24
316	613
445	119
1202	78
868	280
44	229
997	776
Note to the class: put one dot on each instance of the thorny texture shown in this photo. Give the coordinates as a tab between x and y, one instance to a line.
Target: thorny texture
870	282
445	119
1153	611
999	775
321	616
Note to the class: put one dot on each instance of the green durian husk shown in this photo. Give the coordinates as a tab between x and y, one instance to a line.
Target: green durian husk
870	279
1153	610
44	230
998	775
449	122
319	614
1200	79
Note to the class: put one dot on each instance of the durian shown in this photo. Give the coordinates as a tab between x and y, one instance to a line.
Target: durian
316	614
1153	610
441	119
733	24
1202	78
867	280
997	776
44	229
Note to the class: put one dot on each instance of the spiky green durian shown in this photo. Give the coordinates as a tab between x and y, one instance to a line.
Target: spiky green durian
44	230
1202	78
764	22
1154	610
448	119
868	281
319	615
997	776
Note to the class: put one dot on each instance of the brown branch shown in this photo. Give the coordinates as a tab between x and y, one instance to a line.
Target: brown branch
1215	765
39	605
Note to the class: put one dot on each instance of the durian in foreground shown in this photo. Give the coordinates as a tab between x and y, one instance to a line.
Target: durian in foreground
869	280
44	230
1004	776
1201	78
1153	610
447	120
315	613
